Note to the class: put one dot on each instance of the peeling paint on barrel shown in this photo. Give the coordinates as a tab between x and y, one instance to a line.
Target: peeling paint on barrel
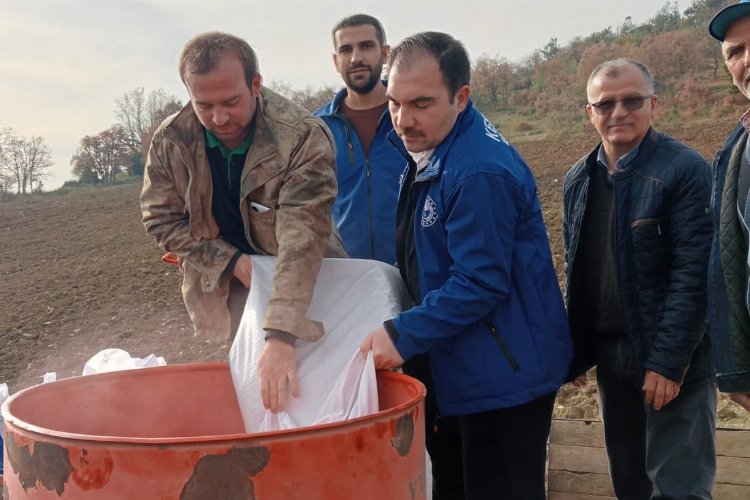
404	434
47	464
227	475
186	440
92	469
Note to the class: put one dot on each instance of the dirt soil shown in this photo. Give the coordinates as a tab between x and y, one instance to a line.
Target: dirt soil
79	274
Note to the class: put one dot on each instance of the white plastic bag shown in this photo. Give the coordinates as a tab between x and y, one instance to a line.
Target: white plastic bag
3	396
112	360
352	297
354	395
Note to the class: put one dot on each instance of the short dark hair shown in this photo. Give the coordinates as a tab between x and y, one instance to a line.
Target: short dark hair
359	20
449	53
201	54
612	69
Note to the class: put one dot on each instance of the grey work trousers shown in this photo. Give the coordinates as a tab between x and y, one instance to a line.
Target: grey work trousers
652	454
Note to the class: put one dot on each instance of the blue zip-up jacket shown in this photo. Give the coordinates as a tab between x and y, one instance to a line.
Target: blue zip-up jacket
728	283
661	233
490	311
365	207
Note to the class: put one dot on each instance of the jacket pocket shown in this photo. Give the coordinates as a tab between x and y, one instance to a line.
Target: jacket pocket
503	346
262	220
650	251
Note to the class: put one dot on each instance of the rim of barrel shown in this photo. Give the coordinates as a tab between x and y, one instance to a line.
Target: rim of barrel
12	421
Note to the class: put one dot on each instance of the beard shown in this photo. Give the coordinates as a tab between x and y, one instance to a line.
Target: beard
366	86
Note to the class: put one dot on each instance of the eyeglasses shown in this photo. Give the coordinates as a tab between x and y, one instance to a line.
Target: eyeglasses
630	103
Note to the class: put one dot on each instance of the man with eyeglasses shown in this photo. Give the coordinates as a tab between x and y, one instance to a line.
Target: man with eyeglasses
636	230
728	284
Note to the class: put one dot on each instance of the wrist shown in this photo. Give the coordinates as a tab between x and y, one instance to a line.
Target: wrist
286	338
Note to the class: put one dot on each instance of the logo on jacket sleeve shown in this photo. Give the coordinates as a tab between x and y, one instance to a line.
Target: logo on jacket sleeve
429	212
492	133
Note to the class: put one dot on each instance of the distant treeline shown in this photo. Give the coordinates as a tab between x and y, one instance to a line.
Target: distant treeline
545	92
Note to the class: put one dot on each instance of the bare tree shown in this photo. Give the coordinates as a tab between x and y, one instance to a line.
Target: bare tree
139	114
309	98
24	161
130	112
7	135
101	156
6	181
38	160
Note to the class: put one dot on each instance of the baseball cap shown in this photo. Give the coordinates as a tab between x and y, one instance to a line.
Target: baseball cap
726	17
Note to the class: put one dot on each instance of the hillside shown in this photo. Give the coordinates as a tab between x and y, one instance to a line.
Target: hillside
80	275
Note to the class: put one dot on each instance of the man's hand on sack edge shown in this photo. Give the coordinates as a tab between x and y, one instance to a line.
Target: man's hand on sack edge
277	373
384	353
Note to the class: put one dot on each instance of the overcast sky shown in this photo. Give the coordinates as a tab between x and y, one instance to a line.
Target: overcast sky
64	62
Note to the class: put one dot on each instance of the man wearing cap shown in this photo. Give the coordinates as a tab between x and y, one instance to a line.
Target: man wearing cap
729	286
636	230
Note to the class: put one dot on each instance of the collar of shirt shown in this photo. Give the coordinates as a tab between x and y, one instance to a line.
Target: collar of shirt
745	120
624	160
422	159
213	142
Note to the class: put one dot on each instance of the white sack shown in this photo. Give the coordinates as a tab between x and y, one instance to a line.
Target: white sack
112	360
352	297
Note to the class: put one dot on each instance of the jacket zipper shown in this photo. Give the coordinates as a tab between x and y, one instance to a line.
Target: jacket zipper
503	346
350	146
578	224
370	222
368	182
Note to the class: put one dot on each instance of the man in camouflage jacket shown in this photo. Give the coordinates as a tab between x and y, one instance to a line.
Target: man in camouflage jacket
284	187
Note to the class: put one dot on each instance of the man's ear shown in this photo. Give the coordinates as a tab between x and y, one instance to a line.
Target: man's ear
462	97
257	82
590	112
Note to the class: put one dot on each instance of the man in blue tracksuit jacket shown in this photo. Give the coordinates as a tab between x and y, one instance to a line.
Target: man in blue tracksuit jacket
473	251
367	166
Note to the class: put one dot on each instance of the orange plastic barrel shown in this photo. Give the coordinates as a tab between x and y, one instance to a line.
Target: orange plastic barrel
176	432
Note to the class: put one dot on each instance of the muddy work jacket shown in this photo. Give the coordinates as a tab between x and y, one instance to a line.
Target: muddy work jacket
289	169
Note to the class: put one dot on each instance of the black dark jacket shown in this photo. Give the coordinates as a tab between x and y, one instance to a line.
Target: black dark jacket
662	236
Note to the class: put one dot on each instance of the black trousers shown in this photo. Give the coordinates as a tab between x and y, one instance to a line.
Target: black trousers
498	454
